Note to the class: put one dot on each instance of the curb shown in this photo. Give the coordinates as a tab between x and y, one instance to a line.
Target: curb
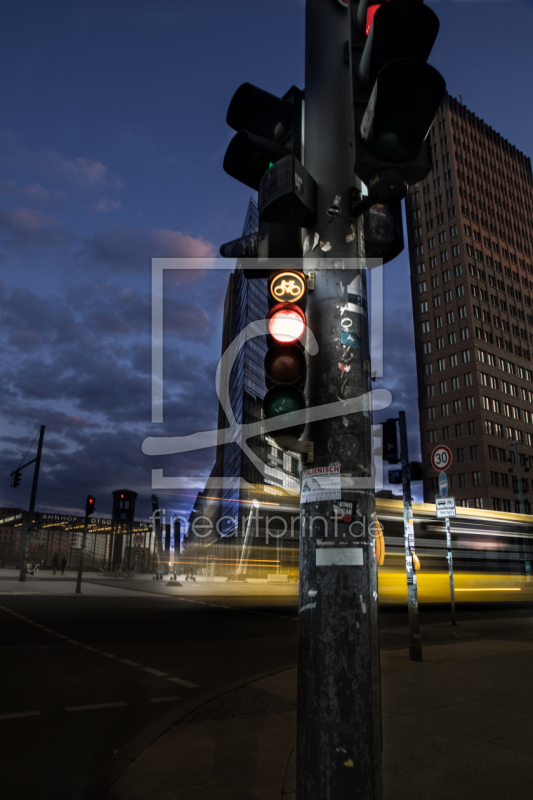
103	778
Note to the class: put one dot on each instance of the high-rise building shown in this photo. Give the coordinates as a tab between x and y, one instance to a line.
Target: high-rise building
470	232
275	488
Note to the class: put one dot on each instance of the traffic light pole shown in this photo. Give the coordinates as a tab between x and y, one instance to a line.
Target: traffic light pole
415	643
80	565
339	703
21	561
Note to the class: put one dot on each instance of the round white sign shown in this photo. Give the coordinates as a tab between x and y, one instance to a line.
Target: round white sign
441	457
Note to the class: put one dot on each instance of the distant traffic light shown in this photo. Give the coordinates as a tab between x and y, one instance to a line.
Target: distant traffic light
396	94
90	505
285	363
16	478
390	442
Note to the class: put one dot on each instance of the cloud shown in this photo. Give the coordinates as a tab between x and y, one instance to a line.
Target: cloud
34	195
125	248
30	226
106	204
87	173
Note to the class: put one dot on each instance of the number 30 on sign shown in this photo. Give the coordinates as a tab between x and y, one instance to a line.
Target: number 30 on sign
441	458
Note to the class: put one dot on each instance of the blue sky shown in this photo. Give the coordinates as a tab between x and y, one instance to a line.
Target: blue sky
111	145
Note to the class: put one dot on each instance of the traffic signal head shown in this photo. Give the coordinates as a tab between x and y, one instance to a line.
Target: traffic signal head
16	478
265	154
265	126
396	94
285	364
90	505
390	442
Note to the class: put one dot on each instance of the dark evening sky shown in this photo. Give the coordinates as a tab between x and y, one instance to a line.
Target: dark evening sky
111	145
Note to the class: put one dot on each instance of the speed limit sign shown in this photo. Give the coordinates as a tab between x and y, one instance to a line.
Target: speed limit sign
441	458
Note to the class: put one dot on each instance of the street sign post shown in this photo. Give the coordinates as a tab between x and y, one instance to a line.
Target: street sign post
441	458
445	507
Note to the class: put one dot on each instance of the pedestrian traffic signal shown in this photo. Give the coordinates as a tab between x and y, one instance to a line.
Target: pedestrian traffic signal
265	153
396	94
285	364
16	478
90	505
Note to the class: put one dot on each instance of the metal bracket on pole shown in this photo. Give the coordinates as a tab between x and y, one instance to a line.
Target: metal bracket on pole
305	448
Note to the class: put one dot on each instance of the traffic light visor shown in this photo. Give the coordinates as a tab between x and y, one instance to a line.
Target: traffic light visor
286	323
248	157
406	96
254	110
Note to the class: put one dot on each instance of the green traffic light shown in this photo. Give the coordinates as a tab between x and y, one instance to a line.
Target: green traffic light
282	400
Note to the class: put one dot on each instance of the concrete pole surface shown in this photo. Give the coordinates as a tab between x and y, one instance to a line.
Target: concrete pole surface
339	706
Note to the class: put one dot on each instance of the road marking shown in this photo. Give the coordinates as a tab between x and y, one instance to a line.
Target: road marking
187	684
21	714
95	706
128	662
73	641
90	649
163	699
155	672
49	630
108	655
61	636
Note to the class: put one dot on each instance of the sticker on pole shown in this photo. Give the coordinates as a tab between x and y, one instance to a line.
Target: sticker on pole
443	484
321	483
445	507
441	458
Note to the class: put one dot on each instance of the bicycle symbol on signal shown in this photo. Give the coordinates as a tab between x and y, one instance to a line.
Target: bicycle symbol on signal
288	286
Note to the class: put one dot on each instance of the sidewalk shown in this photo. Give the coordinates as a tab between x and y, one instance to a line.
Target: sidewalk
459	724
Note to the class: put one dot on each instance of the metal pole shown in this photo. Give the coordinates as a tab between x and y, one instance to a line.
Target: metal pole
339	700
450	567
415	643
80	564
29	519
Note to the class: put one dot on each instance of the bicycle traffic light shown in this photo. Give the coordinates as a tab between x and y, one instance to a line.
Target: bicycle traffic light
396	94
285	363
90	505
16	479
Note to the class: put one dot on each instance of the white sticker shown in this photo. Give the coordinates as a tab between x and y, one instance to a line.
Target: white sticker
321	483
339	557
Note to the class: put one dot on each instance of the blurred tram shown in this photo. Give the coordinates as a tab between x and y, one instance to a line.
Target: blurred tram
492	554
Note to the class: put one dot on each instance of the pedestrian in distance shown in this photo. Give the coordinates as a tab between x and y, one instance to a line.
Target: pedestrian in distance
55	562
63	565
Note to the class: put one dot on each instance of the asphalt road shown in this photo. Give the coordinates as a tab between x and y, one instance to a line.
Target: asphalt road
82	674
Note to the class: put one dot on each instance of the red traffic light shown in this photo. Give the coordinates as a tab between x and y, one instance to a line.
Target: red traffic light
90	505
286	323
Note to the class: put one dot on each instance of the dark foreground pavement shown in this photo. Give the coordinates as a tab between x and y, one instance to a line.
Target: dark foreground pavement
459	724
